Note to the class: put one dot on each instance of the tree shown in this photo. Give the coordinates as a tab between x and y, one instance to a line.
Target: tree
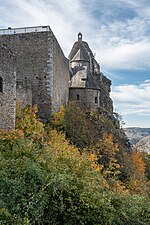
146	158
46	180
105	151
77	126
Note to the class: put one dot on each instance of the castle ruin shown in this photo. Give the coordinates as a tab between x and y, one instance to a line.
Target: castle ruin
34	70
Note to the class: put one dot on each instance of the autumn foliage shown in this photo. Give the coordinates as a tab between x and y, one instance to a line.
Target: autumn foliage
138	162
52	177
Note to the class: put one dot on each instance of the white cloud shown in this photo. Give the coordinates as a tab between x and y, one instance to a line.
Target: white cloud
129	56
124	44
117	30
118	43
132	99
146	81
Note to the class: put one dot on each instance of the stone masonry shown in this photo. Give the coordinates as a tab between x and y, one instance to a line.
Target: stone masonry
88	86
42	75
35	71
7	87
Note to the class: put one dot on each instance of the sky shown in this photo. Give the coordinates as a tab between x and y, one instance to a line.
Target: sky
118	32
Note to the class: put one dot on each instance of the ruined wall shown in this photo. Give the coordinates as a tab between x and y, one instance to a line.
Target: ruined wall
42	70
86	98
8	88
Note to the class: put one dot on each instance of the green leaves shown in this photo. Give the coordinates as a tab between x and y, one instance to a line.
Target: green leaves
46	180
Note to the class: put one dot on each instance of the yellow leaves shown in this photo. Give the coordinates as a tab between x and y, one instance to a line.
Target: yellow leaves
133	184
11	134
107	138
96	166
119	187
92	157
109	143
28	122
138	162
59	146
116	147
135	168
67	157
58	118
60	114
105	151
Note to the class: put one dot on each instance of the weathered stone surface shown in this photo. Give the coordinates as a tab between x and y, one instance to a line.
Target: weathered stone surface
42	69
60	95
42	75
8	88
86	98
88	86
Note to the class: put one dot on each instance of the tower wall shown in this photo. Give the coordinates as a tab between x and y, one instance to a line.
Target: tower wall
88	86
86	98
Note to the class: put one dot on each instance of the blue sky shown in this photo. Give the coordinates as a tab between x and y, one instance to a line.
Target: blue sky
118	32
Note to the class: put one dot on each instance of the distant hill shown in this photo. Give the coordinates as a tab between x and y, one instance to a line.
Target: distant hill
135	134
143	144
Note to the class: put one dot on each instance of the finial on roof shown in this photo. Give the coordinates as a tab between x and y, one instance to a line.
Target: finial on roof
79	36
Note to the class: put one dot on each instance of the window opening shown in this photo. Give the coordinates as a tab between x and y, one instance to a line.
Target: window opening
96	100
79	37
84	79
78	97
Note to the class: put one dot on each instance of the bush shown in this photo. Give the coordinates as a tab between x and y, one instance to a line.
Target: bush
45	180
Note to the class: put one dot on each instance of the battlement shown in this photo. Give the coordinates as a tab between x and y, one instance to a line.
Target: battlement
21	30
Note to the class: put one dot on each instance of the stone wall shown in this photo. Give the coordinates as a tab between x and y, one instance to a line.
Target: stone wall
32	57
42	70
23	93
85	97
60	79
91	99
42	76
8	88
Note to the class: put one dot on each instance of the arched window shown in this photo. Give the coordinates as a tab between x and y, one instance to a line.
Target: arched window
1	84
78	97
96	100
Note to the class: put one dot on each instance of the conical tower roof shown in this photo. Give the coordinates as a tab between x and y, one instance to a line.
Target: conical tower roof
80	56
80	51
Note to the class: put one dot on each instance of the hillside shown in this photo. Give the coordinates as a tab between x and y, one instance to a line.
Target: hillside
144	144
135	134
46	179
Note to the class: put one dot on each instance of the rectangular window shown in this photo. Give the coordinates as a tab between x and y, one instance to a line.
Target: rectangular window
83	79
96	100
